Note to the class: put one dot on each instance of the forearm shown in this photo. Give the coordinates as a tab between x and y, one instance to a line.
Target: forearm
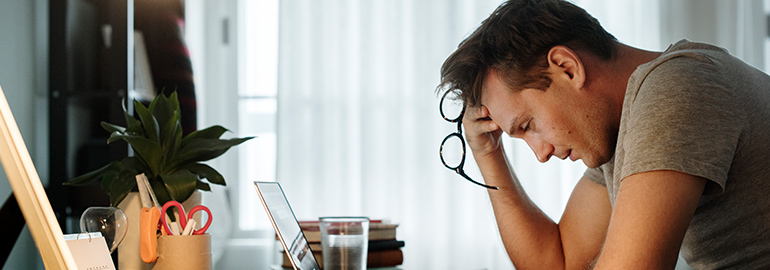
531	238
652	213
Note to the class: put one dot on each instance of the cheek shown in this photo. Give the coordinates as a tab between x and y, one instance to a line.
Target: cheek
563	135
559	122
563	132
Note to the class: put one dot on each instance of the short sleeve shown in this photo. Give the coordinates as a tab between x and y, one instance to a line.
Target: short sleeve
684	118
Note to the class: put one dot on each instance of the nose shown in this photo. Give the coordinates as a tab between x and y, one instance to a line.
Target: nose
543	150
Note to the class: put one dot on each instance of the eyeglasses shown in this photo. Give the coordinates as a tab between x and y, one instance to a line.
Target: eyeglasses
455	139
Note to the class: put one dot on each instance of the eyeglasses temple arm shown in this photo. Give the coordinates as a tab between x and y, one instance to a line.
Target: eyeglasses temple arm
462	173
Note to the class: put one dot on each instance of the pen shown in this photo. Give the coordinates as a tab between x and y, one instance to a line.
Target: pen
190	227
174	228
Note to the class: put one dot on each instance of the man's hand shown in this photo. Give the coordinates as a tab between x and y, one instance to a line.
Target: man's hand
482	134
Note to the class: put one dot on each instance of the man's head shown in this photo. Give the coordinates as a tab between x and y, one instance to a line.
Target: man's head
528	60
515	40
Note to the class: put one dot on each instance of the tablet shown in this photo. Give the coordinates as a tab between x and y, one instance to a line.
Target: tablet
286	226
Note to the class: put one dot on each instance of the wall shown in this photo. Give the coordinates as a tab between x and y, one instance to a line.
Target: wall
23	77
738	26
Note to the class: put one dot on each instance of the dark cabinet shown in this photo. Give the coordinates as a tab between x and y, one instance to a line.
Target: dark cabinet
90	74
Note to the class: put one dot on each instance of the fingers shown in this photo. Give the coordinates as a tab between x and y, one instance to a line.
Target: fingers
478	119
481	132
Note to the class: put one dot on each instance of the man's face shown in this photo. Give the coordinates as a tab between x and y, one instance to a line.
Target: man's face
560	121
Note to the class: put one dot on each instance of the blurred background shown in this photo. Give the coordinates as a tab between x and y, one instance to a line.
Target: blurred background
341	94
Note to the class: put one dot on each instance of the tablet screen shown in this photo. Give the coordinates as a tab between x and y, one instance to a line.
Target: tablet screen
286	225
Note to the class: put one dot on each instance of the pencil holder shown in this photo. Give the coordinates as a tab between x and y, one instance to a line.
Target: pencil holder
184	252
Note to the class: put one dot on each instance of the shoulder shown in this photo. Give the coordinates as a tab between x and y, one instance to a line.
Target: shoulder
684	63
681	113
686	73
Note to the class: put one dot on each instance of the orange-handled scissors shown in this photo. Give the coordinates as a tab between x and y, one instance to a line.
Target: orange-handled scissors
148	229
184	218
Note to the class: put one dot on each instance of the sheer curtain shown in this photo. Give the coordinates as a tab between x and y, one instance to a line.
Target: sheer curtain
358	122
738	26
359	128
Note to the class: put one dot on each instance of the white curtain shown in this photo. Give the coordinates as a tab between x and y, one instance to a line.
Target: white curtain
359	128
738	26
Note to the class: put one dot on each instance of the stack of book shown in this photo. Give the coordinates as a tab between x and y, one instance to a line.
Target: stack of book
384	248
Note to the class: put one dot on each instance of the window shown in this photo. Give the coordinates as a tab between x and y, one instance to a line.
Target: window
257	105
234	50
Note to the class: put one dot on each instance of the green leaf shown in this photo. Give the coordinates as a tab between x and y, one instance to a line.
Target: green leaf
212	132
147	150
112	128
116	136
136	165
107	181
157	97
180	184
203	150
173	137
173	100
121	185
163	112
135	128
93	176
206	171
149	123
177	139
203	186
131	122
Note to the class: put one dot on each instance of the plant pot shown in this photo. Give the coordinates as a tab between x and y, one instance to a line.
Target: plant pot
189	252
128	251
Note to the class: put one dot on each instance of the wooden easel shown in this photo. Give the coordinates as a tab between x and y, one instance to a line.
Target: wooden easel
30	195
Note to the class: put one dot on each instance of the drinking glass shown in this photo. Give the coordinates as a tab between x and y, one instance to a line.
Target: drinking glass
344	242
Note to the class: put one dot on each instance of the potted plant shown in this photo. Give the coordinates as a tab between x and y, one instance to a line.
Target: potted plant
171	162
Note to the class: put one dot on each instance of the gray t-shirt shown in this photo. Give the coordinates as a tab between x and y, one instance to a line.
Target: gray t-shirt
700	111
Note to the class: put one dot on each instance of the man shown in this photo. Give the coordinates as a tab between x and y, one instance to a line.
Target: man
676	142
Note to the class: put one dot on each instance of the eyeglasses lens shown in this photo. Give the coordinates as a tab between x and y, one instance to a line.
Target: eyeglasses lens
452	151
451	107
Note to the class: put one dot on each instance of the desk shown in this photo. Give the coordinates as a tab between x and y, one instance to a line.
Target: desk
256	253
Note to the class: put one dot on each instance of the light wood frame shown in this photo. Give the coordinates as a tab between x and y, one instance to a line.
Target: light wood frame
30	193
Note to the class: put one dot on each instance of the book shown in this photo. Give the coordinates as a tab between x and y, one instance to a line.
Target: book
374	259
385	244
373	245
384	258
384	250
378	230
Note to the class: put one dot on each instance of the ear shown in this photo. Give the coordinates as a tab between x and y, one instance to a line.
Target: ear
564	63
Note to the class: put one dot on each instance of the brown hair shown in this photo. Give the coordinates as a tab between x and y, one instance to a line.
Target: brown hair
515	41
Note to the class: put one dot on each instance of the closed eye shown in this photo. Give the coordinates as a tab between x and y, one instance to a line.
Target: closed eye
517	127
525	126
